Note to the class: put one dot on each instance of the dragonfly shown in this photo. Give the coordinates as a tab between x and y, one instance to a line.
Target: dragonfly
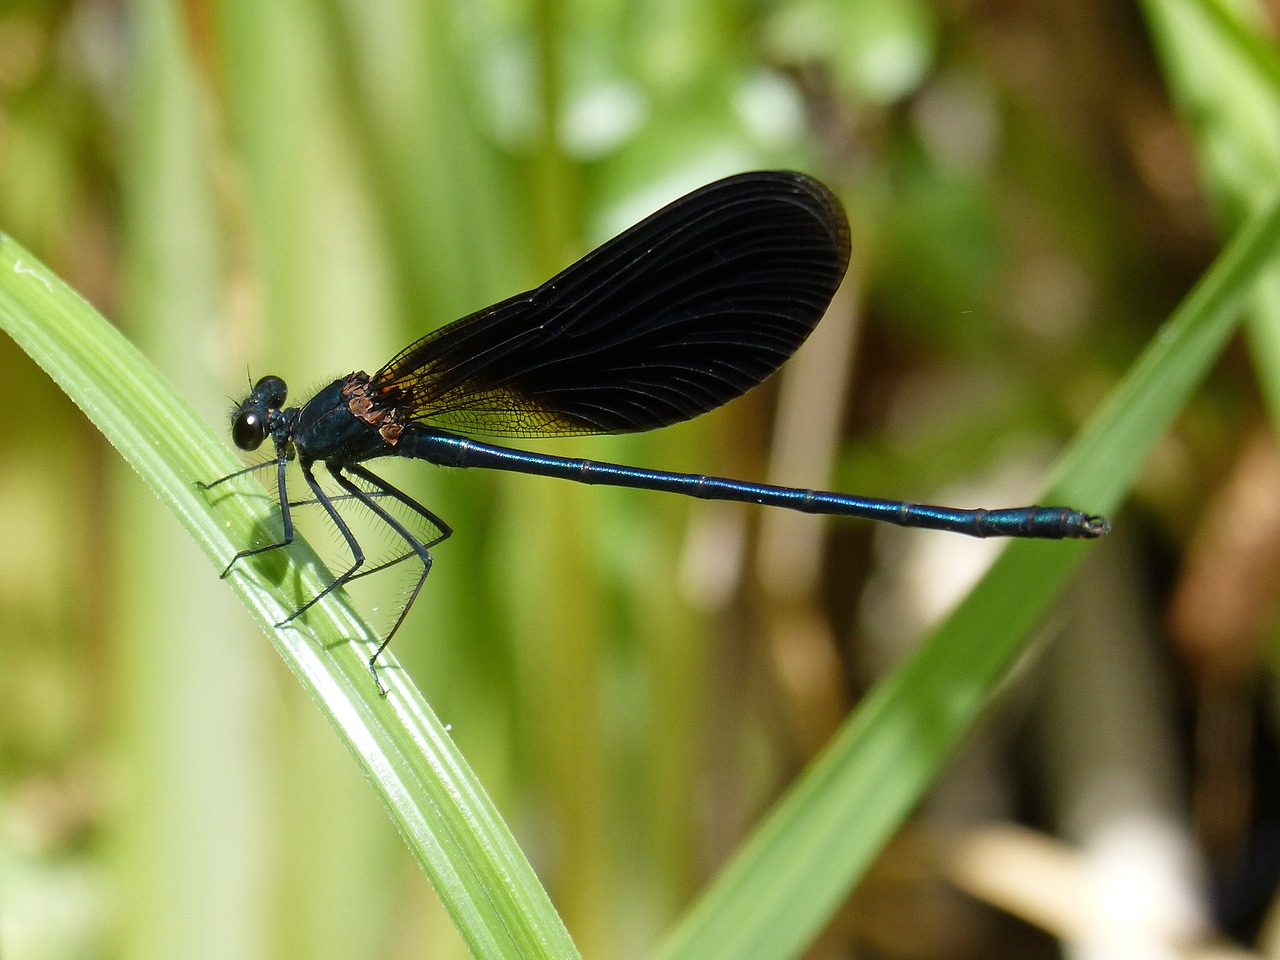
682	312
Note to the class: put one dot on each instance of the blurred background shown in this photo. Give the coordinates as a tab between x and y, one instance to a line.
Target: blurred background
301	187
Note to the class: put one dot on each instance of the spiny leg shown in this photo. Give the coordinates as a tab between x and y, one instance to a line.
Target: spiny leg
385	489
419	548
287	516
252	468
347	498
357	555
396	493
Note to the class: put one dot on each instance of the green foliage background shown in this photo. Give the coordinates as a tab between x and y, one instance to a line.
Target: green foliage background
655	694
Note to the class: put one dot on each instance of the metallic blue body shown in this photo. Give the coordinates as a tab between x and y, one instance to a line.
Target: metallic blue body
1046	523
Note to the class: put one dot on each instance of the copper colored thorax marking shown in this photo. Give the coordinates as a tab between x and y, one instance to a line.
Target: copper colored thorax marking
363	407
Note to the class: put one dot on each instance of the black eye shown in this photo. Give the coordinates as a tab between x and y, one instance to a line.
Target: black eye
272	390
248	431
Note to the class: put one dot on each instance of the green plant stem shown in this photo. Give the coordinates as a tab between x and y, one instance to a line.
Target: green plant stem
450	824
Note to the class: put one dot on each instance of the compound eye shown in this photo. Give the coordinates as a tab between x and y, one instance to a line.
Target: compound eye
248	431
272	390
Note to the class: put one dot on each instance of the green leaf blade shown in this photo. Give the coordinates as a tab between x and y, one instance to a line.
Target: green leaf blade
787	880
457	835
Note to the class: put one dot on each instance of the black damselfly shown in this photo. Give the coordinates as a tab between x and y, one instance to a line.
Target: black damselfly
684	311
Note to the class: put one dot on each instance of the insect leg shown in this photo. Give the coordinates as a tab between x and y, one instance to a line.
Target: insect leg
357	555
419	548
287	516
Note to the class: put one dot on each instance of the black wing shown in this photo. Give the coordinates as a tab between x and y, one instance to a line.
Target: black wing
686	310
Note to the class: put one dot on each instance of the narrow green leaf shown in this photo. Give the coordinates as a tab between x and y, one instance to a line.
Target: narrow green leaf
1223	73
444	814
787	880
